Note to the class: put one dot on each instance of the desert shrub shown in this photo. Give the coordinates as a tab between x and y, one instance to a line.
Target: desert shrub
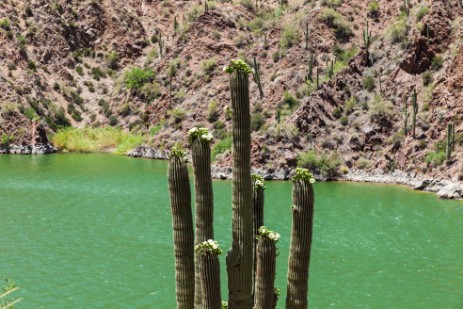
422	11
289	37
326	164
112	120
437	62
221	146
124	109
257	121
177	115
435	157
373	8
136	78
31	65
213	111
248	4
369	83
350	105
5	24
208	65
337	112
80	70
427	78
9	108
98	73
380	108
344	120
112	59
336	21
397	31
363	163
331	3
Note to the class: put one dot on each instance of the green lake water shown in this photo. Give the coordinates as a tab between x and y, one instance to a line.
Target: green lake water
94	231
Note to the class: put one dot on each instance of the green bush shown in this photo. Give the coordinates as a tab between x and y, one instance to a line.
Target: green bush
369	83
289	37
112	59
98	73
435	157
213	112
380	108
422	11
136	78
337	112
326	164
257	121
208	65
221	146
437	62
112	120
397	31
363	163
373	8
344	120
5	24
80	70
336	21
331	3
427	78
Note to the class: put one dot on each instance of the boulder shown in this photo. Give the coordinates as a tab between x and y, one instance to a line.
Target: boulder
451	191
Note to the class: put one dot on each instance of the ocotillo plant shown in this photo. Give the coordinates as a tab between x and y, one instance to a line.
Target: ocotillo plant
256	77
306	35
265	272
208	252
200	139
450	140
414	112
406	114
258	185
301	240
239	257
367	38
182	221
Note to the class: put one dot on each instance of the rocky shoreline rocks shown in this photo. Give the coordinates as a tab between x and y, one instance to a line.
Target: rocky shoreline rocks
37	149
444	188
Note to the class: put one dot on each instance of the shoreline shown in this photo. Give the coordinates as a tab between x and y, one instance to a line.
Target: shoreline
444	188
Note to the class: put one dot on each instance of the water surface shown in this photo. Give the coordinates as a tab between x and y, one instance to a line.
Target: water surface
94	231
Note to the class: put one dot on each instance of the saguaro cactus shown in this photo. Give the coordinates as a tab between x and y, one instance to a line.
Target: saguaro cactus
264	297
450	140
175	24
407	7
256	77
258	183
406	114
239	257
310	69
161	44
367	38
200	139
208	252
306	35
414	112
301	240
318	78
182	221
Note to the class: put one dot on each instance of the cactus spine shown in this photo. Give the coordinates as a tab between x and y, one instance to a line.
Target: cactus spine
200	139
182	221
256	77
301	240
415	112
265	273
208	252
239	257
406	114
306	35
450	140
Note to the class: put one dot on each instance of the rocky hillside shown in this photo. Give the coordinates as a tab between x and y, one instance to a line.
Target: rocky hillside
155	67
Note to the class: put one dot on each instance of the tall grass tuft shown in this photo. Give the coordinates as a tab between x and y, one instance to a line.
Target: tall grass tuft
88	139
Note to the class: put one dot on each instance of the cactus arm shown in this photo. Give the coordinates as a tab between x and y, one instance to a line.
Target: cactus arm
240	255
301	240
182	221
265	272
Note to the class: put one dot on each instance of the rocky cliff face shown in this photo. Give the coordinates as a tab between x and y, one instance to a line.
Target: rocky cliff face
72	63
